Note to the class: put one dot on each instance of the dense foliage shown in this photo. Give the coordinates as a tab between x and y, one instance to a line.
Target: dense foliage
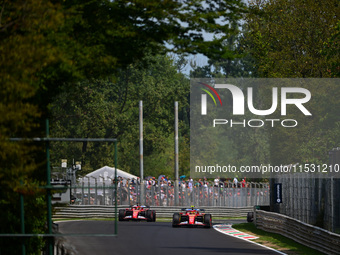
50	47
295	39
85	64
110	108
287	39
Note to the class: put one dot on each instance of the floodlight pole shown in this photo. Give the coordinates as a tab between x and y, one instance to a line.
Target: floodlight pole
141	169
176	155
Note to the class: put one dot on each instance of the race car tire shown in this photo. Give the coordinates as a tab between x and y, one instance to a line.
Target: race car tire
207	220
149	216
121	214
154	216
175	220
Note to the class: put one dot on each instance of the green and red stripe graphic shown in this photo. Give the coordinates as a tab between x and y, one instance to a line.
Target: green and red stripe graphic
209	93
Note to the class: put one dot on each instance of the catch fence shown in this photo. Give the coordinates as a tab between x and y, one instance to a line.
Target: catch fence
313	200
225	194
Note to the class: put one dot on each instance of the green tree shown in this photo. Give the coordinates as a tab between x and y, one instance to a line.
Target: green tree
46	45
236	65
287	38
109	108
298	39
331	51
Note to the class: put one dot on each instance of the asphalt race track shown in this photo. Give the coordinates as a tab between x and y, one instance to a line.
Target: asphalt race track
154	238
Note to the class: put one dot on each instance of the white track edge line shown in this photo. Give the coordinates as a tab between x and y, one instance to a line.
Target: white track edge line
269	248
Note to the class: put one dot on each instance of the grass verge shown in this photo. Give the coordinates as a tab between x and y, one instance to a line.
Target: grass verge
275	241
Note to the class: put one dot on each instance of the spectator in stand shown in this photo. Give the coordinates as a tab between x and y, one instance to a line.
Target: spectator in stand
153	181
205	185
216	181
235	181
244	184
161	182
183	185
190	184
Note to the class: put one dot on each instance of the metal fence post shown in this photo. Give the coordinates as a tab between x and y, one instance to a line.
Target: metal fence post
116	202
88	189
49	195
22	220
82	192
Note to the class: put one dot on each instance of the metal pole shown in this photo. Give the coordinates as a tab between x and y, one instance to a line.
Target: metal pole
116	202
176	154
331	200
49	196
111	188
22	219
141	170
82	192
95	191
88	189
104	191
103	188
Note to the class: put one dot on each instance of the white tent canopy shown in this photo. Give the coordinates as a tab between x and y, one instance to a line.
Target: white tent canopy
108	173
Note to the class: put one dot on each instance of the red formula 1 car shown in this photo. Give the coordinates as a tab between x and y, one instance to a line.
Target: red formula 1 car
137	212
192	217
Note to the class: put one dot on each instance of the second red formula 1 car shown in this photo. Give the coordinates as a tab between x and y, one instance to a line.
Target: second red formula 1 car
192	217
137	212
